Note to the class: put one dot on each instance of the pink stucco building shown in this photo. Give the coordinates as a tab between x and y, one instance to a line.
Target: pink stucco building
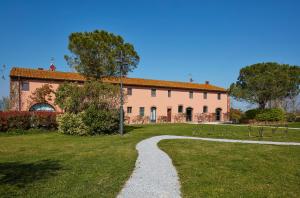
147	100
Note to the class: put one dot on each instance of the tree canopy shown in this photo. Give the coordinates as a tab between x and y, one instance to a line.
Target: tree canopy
264	82
99	54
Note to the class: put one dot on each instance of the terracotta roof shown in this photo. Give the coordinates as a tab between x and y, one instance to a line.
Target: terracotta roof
68	76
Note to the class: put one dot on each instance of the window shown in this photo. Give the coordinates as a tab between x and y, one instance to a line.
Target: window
25	86
153	92
180	109
205	109
191	94
142	111
219	96
129	91
129	109
205	95
169	93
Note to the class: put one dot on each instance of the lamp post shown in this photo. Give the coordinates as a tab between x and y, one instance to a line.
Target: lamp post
121	100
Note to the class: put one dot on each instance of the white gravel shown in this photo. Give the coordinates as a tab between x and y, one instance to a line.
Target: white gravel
155	176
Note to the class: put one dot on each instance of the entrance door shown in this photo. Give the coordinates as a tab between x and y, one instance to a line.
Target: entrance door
189	114
169	115
153	114
218	114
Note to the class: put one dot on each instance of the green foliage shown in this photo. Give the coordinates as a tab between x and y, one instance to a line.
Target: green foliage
271	115
291	117
72	124
263	82
76	98
94	104
42	94
69	97
101	121
235	115
251	114
98	54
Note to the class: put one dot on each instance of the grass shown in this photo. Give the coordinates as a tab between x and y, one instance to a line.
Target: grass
48	164
209	169
294	124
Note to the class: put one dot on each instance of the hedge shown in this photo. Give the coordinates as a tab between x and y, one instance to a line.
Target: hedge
26	119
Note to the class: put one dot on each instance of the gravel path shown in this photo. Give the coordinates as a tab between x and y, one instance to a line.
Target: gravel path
155	176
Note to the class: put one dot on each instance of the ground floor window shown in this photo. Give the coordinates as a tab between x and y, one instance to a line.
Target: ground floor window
205	109
129	109
180	109
142	111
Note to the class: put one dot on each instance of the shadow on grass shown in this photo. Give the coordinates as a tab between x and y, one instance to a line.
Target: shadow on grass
129	128
21	174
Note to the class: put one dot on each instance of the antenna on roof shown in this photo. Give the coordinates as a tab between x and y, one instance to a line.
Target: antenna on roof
190	78
52	66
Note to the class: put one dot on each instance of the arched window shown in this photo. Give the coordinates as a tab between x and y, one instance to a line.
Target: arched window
42	107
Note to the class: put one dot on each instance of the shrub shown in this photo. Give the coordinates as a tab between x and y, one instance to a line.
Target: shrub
235	115
291	117
271	115
101	121
72	124
251	114
24	120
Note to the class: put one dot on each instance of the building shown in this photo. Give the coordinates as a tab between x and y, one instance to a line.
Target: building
147	100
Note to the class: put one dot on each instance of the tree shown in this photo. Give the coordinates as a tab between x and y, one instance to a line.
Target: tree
75	98
99	54
263	83
42	94
4	103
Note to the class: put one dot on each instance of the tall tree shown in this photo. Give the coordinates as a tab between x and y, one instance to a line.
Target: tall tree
263	83
99	54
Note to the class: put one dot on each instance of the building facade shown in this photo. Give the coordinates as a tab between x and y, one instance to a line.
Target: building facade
146	100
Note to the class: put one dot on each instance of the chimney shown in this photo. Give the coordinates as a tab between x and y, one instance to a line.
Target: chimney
207	82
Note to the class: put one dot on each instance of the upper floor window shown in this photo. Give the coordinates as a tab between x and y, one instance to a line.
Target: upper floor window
205	95
219	96
142	111
129	91
25	86
129	109
169	93
191	94
153	92
180	109
205	109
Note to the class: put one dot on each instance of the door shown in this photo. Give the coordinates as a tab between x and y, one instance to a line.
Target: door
218	114
153	114
169	115
189	114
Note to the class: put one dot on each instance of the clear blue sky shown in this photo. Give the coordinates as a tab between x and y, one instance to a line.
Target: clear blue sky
210	39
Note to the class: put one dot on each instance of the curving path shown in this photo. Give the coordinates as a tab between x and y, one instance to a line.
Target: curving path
154	174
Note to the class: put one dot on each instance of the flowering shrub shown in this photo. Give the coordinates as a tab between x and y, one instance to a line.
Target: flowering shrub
26	119
72	124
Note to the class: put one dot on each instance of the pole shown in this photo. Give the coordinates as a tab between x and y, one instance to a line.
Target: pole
121	101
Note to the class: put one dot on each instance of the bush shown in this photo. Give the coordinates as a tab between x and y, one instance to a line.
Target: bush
235	115
291	117
251	114
101	121
271	115
24	120
72	124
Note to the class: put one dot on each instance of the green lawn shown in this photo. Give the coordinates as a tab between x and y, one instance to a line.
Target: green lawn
294	124
210	169
56	165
